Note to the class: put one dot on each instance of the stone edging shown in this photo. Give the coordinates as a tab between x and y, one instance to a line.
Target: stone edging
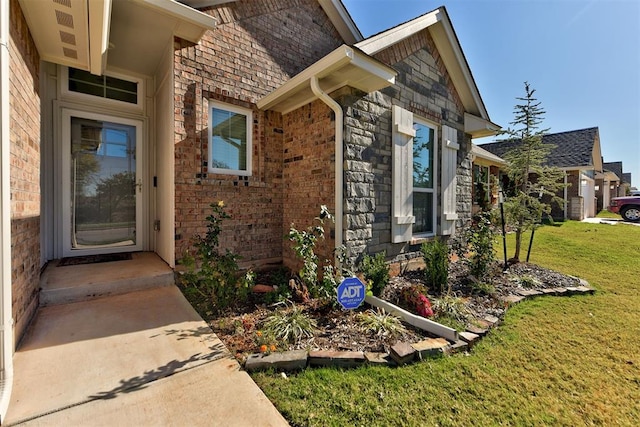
402	352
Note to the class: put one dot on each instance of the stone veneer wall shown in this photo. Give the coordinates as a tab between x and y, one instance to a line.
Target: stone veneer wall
255	48
25	170
423	87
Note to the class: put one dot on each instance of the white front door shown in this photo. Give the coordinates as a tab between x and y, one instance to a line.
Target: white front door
101	183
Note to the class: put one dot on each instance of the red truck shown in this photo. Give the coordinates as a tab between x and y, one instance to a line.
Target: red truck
628	207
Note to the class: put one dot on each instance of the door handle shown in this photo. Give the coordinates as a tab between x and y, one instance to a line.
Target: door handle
139	185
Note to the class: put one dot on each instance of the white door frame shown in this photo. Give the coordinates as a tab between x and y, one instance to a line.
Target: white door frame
65	117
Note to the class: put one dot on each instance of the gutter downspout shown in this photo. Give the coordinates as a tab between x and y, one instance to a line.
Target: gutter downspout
337	109
6	320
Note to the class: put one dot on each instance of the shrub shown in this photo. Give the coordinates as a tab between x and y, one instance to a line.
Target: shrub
416	297
436	258
290	324
381	323
480	236
304	243
212	280
375	270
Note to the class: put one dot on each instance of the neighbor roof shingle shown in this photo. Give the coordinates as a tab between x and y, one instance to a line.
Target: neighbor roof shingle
572	148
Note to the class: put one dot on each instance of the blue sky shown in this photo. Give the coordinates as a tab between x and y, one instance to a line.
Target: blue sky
582	57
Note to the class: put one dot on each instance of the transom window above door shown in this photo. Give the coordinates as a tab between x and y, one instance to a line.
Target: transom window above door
229	139
126	91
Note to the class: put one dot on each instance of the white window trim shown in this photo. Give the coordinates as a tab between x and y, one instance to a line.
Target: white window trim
65	226
432	190
238	110
98	100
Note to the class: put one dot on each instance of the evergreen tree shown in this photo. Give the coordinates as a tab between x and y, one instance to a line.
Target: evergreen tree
531	178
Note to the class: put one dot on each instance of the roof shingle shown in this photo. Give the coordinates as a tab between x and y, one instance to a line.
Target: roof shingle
572	148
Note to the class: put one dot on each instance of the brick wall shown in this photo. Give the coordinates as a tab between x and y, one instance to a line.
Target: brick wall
25	170
308	174
256	47
423	87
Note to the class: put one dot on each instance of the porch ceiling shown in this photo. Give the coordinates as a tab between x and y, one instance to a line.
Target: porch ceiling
345	66
134	34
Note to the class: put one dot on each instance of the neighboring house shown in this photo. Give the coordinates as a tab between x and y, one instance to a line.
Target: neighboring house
607	183
622	186
487	169
626	181
122	121
578	154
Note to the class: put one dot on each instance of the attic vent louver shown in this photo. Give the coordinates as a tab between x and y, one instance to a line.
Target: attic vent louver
67	38
70	53
64	19
66	3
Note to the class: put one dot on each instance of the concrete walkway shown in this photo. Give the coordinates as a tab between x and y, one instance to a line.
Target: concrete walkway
609	221
143	358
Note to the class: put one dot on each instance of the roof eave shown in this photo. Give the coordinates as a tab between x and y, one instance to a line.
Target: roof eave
478	127
345	66
439	26
341	19
191	24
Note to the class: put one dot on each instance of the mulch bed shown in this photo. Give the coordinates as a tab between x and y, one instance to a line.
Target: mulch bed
339	329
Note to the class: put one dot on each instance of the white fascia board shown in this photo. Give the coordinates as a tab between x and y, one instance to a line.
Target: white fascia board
375	44
341	19
455	62
340	57
186	15
448	46
99	23
478	127
205	3
481	153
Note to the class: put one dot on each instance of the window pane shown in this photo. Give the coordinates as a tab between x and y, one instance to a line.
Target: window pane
103	86
423	211
119	95
423	156
229	140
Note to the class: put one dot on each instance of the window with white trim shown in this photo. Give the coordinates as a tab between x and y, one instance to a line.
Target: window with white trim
229	139
424	178
108	88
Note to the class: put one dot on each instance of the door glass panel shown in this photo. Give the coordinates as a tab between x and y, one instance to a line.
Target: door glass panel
103	184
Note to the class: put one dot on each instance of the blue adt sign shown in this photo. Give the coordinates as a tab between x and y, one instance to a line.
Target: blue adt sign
351	293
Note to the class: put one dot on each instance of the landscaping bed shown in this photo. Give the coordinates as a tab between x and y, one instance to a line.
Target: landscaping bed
241	327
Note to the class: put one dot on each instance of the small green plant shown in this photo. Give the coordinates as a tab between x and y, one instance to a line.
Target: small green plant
376	271
304	243
450	307
528	281
479	237
290	324
381	323
483	288
436	258
212	280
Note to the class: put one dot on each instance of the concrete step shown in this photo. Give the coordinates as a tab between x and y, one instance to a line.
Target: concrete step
75	283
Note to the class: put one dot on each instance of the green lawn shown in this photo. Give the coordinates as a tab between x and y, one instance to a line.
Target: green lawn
554	361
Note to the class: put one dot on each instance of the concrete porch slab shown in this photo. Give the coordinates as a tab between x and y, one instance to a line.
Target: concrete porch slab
73	283
142	358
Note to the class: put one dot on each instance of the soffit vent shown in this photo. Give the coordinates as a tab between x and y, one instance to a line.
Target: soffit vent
64	19
70	53
67	38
